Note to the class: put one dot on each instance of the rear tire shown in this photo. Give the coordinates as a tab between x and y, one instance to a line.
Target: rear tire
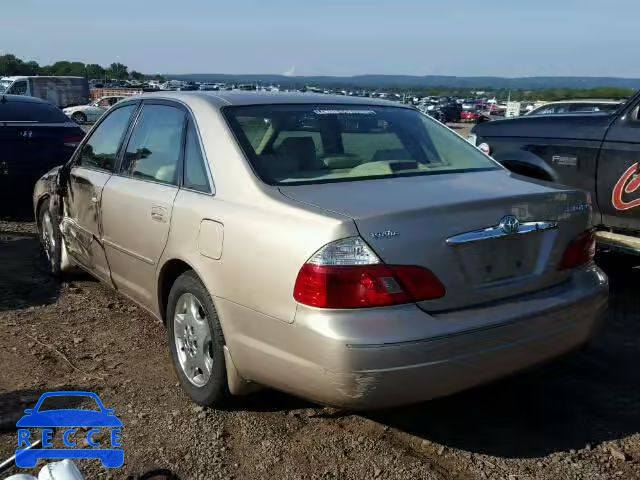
196	341
79	117
51	238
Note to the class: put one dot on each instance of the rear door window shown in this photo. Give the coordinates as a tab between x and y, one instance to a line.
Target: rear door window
195	173
153	152
101	149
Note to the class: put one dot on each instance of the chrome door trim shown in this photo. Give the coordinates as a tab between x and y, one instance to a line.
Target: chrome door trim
128	252
499	232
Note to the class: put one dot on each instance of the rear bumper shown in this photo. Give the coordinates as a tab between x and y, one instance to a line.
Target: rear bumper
399	355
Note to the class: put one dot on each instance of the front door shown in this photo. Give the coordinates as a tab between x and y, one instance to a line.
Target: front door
138	201
618	180
91	169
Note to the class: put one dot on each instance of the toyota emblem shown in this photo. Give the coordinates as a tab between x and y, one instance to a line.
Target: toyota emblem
510	224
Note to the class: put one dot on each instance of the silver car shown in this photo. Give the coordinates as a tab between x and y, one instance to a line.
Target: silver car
350	251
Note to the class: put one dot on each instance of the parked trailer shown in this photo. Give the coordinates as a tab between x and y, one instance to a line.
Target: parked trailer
115	92
61	91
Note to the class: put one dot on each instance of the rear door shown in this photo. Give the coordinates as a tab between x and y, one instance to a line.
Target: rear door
91	169
138	200
618	180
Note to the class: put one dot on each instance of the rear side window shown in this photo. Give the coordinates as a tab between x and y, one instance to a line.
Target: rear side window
102	147
17	111
154	149
195	174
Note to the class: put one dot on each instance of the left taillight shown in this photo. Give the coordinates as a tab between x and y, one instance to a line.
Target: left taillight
348	274
579	252
72	141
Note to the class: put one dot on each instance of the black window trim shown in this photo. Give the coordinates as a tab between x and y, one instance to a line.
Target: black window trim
124	144
73	161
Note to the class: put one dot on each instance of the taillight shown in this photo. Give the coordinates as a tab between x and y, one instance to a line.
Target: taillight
347	274
72	141
579	252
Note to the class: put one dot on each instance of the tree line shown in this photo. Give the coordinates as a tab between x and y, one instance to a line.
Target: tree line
552	94
12	65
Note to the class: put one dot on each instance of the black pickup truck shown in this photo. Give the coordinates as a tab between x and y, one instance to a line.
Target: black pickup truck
597	152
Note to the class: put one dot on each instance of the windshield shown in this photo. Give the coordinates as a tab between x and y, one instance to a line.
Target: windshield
58	402
302	144
575	108
4	84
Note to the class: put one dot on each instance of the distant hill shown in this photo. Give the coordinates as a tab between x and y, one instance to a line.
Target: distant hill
428	81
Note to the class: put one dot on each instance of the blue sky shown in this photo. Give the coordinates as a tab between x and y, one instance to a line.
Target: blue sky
332	37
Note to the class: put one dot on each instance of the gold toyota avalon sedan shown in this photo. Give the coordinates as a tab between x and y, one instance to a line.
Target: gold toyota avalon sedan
350	251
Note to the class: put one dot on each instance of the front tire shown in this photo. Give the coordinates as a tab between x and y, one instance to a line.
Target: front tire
51	238
196	341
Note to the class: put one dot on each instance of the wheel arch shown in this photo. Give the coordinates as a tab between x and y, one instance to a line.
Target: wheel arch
527	164
38	206
168	274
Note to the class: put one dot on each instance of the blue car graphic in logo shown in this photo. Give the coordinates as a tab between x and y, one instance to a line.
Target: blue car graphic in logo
68	420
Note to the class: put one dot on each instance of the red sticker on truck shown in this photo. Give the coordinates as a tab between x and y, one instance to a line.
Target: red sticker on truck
629	182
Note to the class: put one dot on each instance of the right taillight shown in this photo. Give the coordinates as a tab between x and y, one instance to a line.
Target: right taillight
72	141
579	252
348	274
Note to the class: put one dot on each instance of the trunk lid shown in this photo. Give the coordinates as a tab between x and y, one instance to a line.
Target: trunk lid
31	149
408	221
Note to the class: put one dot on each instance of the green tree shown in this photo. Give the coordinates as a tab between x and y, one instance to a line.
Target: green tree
118	71
64	67
93	70
136	75
32	68
10	65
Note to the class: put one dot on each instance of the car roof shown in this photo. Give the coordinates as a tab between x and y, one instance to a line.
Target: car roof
26	77
222	99
22	98
69	393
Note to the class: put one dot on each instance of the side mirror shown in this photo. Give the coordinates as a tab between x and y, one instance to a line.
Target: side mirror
28	411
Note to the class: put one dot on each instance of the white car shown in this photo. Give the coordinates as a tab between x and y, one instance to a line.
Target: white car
93	111
576	106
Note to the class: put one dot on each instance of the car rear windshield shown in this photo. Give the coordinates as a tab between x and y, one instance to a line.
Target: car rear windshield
303	144
17	111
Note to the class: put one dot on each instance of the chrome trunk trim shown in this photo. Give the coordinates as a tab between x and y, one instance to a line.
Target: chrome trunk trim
499	231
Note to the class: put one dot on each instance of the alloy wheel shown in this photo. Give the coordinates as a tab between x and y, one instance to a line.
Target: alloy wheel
193	340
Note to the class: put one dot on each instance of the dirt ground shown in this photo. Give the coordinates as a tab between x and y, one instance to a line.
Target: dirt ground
576	418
